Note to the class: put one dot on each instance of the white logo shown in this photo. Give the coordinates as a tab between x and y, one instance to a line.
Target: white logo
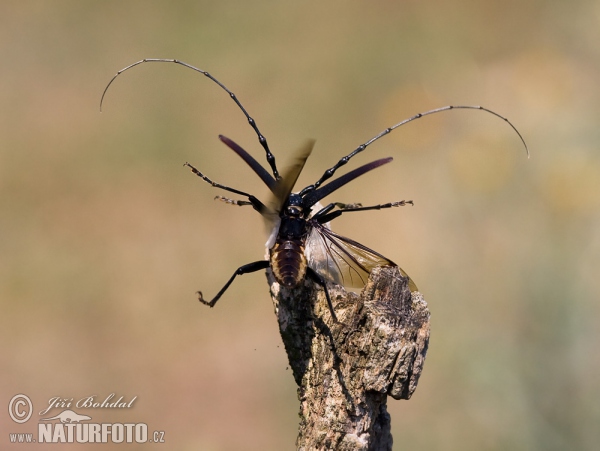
71	427
16	404
68	416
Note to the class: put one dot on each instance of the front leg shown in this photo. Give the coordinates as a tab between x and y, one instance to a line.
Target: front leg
227	200
326	215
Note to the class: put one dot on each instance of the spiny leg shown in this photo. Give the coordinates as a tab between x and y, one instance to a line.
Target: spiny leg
229	201
359	207
246	269
326	214
320	281
258	205
329	172
252	122
214	184
347	206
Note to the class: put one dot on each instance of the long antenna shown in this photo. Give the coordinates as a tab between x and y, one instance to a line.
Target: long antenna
252	122
329	172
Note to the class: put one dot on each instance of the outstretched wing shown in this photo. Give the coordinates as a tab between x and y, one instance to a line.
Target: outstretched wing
282	189
284	185
342	260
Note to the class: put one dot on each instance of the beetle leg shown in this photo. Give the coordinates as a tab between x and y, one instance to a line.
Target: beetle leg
229	201
250	267
256	204
327	217
359	207
342	206
320	281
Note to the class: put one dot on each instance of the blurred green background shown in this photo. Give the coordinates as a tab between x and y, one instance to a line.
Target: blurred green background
105	237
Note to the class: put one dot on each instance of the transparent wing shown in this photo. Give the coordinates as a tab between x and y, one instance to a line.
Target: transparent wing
342	260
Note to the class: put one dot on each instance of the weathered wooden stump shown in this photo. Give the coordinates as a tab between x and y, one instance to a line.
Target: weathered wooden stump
345	371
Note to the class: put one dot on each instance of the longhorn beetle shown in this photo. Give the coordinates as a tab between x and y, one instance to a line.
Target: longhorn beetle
301	243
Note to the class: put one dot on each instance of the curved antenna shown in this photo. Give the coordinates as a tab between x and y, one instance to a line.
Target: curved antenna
252	122
329	172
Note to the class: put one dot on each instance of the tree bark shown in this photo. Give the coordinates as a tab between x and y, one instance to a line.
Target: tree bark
345	371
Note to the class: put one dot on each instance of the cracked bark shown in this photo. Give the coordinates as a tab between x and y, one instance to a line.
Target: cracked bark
345	372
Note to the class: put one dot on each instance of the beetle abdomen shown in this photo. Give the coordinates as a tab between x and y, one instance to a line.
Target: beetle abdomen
288	262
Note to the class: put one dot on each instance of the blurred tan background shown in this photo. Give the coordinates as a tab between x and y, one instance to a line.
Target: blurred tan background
105	237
